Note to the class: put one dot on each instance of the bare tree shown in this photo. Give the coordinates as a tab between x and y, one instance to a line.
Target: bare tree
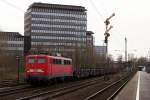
120	63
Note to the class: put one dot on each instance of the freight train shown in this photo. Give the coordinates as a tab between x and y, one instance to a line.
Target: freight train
44	68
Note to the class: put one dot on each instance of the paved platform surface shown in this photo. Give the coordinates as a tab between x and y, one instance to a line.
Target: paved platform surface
138	88
129	91
144	88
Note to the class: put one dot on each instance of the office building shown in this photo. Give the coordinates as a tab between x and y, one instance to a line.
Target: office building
12	43
100	50
55	28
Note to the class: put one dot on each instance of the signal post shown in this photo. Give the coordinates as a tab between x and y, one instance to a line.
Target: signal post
107	34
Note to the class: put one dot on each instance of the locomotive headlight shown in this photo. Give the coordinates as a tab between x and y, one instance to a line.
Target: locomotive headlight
39	70
35	70
30	70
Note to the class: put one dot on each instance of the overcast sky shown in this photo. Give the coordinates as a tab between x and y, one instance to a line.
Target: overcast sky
132	21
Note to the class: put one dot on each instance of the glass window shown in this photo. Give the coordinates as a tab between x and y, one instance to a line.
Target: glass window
57	61
41	60
31	60
67	62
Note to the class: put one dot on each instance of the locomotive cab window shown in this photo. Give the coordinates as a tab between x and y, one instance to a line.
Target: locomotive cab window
31	60
41	60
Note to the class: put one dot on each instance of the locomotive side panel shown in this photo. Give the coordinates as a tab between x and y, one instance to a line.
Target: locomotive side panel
60	68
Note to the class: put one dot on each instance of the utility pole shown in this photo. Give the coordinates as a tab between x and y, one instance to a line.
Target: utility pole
107	22
148	55
126	64
125	49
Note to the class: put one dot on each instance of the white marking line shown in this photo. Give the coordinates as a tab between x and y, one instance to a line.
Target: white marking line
138	87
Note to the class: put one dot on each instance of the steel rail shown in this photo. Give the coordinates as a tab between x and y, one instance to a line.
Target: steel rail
13	90
60	91
118	90
104	89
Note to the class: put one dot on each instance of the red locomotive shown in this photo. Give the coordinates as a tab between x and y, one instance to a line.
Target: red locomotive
45	67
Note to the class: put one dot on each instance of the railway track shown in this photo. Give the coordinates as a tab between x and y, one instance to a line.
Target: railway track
53	91
58	91
54	94
51	94
110	91
6	83
13	90
9	83
61	91
27	91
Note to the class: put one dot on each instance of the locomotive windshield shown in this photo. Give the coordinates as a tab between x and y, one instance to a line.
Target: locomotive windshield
36	60
31	60
41	60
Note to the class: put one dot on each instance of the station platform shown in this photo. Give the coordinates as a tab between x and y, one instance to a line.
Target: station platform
138	88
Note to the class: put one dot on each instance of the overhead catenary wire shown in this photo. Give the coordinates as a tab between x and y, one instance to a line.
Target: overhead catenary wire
102	18
12	5
94	6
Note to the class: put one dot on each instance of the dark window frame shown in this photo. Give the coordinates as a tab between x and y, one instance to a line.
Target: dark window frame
57	61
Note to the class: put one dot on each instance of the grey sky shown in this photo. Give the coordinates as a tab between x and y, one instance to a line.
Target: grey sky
132	20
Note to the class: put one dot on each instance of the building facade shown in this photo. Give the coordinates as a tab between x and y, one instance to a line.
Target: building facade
90	43
12	43
56	28
100	50
89	39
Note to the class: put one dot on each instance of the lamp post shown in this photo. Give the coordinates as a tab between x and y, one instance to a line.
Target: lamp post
18	68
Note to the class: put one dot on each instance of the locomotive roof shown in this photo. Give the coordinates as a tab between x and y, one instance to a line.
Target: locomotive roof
56	57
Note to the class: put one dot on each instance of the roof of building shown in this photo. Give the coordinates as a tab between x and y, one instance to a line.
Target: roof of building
57	6
89	32
10	33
